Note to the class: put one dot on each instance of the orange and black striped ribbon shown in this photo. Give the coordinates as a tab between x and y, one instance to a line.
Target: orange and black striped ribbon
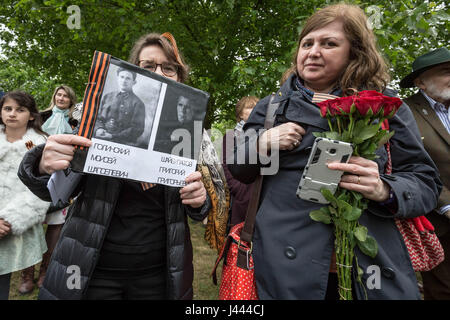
29	144
319	97
146	185
171	39
93	93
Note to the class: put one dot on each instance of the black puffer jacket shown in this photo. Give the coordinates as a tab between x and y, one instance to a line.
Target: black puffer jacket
87	224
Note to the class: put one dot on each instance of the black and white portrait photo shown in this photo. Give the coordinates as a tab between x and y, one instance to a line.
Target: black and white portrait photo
184	110
176	131
127	108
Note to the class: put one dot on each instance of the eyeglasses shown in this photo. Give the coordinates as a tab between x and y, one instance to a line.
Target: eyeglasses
167	68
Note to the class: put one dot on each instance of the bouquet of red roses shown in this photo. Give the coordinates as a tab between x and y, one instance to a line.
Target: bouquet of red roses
355	119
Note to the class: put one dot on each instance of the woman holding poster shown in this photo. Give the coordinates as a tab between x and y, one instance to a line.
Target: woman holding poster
122	239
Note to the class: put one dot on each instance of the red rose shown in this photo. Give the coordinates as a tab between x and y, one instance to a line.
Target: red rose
391	104
370	93
324	106
336	106
344	103
366	103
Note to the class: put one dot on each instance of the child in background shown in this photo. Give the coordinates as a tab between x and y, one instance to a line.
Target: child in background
22	240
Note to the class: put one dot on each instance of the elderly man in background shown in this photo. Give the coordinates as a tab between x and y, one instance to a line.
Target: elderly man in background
430	106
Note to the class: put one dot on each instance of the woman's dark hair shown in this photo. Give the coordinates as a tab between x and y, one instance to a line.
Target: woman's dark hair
25	100
169	48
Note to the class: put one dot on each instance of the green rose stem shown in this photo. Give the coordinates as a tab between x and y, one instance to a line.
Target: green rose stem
344	253
344	248
339	125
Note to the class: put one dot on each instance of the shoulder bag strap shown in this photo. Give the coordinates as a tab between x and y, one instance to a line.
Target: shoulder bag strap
249	225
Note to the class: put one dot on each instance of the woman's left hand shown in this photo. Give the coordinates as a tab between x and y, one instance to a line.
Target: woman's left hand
363	177
194	192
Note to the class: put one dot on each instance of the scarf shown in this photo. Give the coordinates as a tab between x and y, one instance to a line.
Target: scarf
214	180
336	92
305	91
58	122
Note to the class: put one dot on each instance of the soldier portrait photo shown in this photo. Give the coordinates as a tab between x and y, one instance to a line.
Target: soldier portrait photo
127	108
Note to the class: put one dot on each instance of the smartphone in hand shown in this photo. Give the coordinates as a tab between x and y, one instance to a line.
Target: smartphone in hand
316	174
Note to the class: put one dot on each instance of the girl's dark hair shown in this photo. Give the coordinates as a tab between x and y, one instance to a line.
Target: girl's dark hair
25	100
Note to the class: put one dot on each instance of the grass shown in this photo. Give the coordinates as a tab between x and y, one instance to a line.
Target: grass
15	283
204	259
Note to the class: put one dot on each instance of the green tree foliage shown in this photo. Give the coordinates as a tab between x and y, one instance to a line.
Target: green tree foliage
16	75
234	48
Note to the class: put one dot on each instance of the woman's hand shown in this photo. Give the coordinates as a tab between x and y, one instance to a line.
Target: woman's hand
5	228
287	136
58	152
194	193
363	178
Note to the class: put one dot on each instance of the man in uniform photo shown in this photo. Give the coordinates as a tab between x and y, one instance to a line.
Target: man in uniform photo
121	116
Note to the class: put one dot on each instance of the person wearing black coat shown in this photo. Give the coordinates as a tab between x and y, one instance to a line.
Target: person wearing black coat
294	255
240	192
121	240
85	233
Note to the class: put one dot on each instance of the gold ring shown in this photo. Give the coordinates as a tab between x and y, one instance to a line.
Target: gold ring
359	180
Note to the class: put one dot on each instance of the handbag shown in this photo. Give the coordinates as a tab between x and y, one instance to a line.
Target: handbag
424	248
238	274
238	282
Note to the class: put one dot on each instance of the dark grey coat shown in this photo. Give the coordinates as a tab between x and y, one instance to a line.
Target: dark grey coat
86	227
292	253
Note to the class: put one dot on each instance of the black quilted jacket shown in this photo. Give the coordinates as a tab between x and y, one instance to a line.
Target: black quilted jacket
86	226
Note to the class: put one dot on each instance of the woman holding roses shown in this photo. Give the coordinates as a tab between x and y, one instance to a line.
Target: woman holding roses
294	255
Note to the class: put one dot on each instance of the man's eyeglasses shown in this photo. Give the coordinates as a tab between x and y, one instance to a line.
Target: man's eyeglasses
167	68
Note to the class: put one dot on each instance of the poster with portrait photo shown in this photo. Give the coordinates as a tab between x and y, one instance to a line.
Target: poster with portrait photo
179	130
131	116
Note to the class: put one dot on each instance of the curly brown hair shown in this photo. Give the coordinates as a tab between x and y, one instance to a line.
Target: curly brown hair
367	70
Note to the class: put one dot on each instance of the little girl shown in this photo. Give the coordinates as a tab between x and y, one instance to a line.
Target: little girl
22	241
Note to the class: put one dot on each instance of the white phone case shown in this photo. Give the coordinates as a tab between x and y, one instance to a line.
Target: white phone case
317	175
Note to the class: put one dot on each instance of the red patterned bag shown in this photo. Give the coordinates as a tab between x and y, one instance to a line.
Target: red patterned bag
424	248
238	282
238	276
